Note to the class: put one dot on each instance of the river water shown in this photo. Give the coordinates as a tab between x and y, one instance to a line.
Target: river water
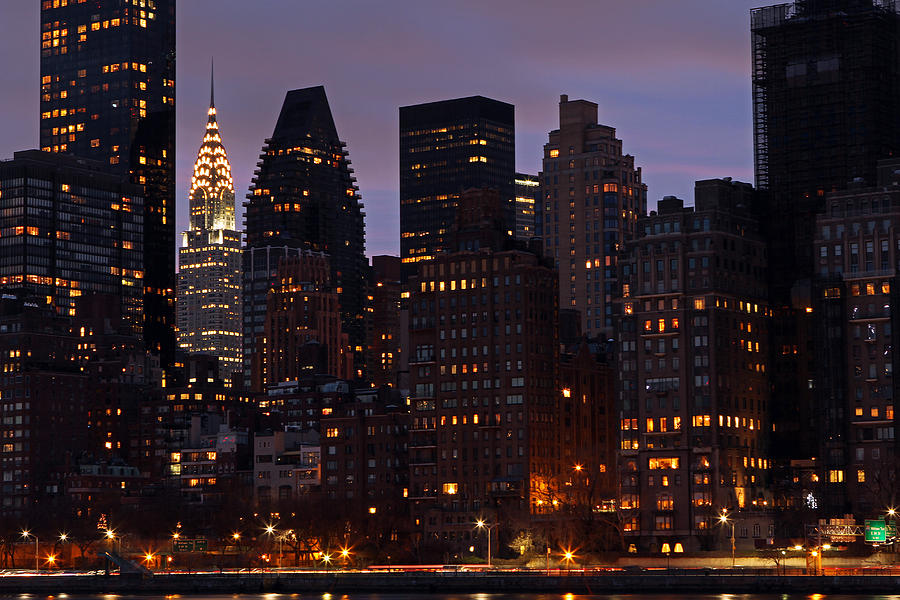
426	596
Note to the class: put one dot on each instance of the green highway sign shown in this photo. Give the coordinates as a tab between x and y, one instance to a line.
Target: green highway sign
186	545
876	531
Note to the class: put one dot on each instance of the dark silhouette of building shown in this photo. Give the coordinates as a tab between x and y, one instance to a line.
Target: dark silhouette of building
447	147
592	198
304	197
108	93
44	404
69	230
694	362
383	331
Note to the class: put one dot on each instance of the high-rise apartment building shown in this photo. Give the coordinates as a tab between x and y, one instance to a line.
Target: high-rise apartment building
528	196
108	94
694	358
383	331
446	148
70	229
304	197
209	276
302	334
592	197
857	249
483	381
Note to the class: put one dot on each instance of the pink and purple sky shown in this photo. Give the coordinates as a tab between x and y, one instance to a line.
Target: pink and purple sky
673	77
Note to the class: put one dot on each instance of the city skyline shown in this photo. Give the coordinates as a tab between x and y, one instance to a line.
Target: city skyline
685	103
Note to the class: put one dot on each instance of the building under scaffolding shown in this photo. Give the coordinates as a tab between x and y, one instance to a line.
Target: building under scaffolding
826	101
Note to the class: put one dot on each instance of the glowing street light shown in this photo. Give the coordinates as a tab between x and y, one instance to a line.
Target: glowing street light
51	560
724	520
480	524
26	534
236	536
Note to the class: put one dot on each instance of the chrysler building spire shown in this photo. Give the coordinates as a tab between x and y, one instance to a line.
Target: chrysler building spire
209	303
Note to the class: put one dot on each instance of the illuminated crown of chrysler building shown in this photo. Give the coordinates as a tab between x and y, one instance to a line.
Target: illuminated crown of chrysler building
209	295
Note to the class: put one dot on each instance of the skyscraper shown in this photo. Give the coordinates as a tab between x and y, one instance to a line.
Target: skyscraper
383	337
528	197
445	148
826	108
108	93
826	102
593	196
304	197
209	278
302	333
70	229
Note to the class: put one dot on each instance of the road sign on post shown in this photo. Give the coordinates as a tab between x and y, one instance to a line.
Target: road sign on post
876	531
184	545
201	545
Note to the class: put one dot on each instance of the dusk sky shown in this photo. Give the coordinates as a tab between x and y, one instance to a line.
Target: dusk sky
673	77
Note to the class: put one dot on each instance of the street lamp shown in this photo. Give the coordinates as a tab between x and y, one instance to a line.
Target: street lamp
569	557
724	520
482	525
345	554
26	534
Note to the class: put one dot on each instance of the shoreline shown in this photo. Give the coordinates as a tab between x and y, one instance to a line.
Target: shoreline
385	583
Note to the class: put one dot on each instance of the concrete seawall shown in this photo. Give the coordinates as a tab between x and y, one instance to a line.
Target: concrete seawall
575	583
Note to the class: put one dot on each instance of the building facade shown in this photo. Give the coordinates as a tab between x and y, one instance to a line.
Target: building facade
302	334
857	251
209	276
445	148
592	197
304	197
108	94
70	230
693	357
384	345
483	382
528	197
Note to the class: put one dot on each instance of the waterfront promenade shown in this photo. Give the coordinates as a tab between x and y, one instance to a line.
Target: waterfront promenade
576	582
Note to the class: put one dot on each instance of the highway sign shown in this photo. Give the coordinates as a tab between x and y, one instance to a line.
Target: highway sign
876	531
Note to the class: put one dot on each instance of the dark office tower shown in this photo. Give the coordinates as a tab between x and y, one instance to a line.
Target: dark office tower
304	197
209	275
108	93
447	147
826	105
69	229
528	196
593	196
